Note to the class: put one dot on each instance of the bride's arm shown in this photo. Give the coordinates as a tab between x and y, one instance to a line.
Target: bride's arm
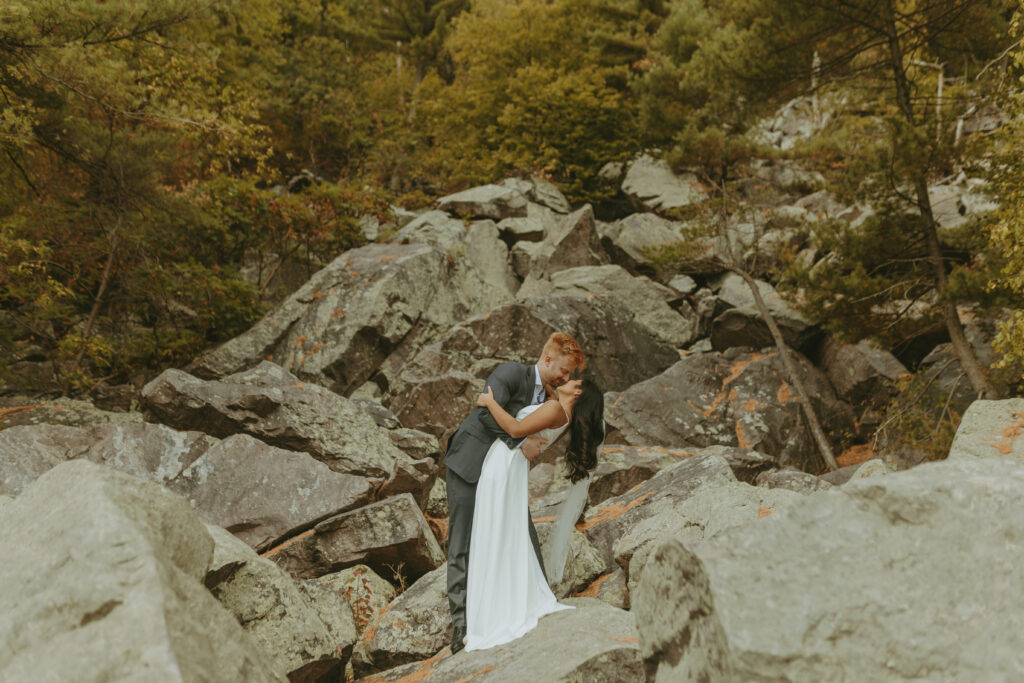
549	414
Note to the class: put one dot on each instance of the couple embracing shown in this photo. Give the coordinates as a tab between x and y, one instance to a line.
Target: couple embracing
497	586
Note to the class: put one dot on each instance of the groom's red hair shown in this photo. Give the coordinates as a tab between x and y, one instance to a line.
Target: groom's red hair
561	344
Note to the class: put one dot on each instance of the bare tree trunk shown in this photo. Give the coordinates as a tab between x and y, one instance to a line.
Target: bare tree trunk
975	373
97	303
824	448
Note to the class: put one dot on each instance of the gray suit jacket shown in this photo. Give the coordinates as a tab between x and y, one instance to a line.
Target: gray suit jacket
513	386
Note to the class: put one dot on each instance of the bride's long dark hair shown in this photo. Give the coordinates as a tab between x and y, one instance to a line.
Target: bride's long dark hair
586	431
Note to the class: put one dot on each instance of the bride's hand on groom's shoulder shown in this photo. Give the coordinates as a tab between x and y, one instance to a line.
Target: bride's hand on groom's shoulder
485	399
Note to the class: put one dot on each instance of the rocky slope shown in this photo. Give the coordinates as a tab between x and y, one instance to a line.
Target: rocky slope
277	509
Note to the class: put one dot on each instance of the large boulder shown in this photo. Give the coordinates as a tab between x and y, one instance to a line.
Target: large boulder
366	593
485	201
366	305
436	390
540	191
741	323
153	452
644	297
652	185
538	222
681	637
414	626
630	241
273	405
859	583
990	429
21	411
744	400
390	536
264	494
102	580
613	519
862	373
594	642
276	612
574	241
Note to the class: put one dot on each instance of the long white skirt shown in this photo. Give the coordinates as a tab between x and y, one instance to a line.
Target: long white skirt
506	593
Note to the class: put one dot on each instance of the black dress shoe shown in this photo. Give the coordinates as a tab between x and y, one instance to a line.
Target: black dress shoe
458	638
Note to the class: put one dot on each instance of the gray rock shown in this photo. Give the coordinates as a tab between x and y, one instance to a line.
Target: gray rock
862	585
594	642
538	222
264	494
681	637
367	305
485	201
613	519
153	452
21	411
391	537
955	203
741	325
620	468
414	626
574	242
541	191
862	372
277	613
583	564
106	570
437	499
610	588
631	240
274	406
793	480
416	444
989	429
366	593
683	284
704	513
870	468
745	401
652	185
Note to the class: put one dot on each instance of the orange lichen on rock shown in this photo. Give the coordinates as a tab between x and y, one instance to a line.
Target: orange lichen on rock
741	436
785	394
593	588
421	672
737	368
627	639
854	455
762	511
612	511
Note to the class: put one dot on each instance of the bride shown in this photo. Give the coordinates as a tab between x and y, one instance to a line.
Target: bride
506	592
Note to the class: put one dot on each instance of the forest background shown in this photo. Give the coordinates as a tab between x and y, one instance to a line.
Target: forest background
153	153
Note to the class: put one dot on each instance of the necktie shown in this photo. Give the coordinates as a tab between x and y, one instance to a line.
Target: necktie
538	393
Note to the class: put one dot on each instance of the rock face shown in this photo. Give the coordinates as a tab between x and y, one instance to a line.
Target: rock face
741	324
366	593
707	399
368	304
264	494
147	451
436	390
22	411
646	298
862	586
416	625
652	185
390	532
275	611
630	240
989	429
594	642
273	405
573	242
862	372
486	201
112	583
681	638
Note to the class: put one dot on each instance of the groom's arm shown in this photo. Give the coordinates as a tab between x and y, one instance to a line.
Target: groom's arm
501	382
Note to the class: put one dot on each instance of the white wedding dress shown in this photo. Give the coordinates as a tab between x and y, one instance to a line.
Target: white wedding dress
506	593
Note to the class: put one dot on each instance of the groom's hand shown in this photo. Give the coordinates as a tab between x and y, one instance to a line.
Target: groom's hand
532	446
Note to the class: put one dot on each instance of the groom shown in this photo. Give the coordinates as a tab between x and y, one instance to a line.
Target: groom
515	386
